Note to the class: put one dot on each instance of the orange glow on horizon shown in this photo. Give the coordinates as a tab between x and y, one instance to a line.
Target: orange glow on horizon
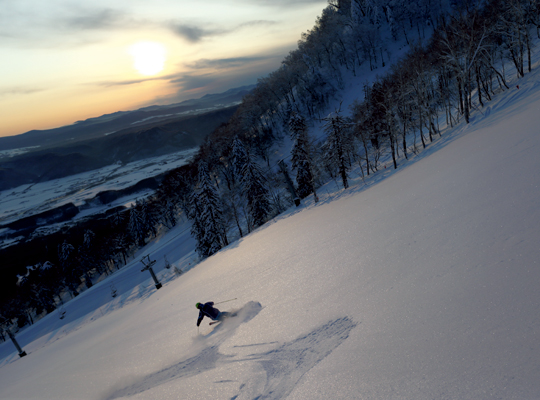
61	108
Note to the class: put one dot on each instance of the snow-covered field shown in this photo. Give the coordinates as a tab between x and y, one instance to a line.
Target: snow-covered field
420	284
79	189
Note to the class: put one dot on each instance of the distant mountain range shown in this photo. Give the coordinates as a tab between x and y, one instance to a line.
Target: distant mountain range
123	136
111	123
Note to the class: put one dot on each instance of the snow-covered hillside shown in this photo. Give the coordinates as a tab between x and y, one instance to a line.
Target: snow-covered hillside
420	284
82	188
81	191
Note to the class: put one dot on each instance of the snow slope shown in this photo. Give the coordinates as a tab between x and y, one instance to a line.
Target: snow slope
420	284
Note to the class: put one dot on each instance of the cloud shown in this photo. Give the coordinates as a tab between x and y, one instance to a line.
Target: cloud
134	81
224	63
207	75
194	34
193	78
66	27
212	73
260	22
288	3
190	82
221	75
20	90
185	81
96	19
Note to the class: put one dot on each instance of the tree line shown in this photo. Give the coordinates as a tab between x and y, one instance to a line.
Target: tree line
233	185
458	70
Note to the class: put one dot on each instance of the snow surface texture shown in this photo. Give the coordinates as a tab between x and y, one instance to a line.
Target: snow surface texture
421	284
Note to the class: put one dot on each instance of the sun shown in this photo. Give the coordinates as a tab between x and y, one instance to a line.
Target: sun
148	57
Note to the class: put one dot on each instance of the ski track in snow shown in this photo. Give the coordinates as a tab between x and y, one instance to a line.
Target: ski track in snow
286	365
283	366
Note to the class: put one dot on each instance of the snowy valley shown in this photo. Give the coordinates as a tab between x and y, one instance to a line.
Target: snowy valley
84	192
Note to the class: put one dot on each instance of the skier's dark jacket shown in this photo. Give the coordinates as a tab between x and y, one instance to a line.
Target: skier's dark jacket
207	310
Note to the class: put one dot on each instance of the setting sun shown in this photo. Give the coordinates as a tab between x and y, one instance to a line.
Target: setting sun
148	57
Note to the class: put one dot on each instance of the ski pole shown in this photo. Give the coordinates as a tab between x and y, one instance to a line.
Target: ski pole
225	301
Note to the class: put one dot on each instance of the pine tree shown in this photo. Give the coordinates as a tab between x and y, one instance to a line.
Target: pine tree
209	227
301	156
197	226
256	192
66	254
116	219
233	197
136	227
88	256
252	184
239	158
338	145
121	244
168	214
148	217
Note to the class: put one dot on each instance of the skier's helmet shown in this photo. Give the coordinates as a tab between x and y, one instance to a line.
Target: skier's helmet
197	305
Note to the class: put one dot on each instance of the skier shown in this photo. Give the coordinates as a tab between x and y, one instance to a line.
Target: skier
208	310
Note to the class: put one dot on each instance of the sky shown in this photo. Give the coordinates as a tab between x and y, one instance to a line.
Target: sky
68	60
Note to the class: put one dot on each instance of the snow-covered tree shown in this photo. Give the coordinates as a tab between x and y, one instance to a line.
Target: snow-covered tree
302	156
70	271
197	226
136	226
338	145
168	215
88	256
239	157
65	251
148	217
117	218
88	238
121	245
208	224
255	190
